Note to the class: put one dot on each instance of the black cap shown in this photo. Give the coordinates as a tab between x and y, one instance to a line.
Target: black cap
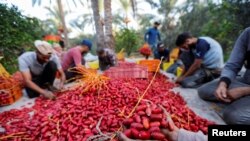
157	23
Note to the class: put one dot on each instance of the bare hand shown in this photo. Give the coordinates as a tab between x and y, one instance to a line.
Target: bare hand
49	95
235	93
221	92
180	79
61	85
172	131
122	137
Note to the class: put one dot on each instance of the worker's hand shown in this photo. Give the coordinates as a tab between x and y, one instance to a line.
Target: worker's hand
122	137
221	92
49	95
63	78
235	93
172	131
179	79
62	81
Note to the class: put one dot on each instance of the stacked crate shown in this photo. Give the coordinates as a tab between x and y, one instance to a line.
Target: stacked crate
127	70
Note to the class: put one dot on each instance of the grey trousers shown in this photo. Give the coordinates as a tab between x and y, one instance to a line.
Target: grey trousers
237	112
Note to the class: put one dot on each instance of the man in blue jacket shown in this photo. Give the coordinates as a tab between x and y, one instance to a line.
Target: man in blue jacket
152	37
232	90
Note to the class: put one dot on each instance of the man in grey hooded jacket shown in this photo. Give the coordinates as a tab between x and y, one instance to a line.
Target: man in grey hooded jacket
229	89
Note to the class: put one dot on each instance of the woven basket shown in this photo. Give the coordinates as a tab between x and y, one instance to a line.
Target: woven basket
9	95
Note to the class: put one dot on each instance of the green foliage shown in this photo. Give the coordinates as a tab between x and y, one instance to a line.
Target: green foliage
17	33
222	21
227	22
127	39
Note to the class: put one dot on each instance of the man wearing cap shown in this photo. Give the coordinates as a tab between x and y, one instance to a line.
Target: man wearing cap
202	58
107	58
74	57
152	36
39	69
162	52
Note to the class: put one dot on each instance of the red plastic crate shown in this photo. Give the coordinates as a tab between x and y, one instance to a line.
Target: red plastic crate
126	64
127	72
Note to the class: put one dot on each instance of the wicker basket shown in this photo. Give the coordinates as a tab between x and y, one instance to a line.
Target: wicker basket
10	91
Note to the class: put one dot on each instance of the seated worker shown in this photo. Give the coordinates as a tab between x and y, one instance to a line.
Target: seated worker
202	58
162	52
185	60
39	69
74	57
231	90
107	58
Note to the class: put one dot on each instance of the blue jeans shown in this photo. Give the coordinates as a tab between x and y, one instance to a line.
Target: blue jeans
154	50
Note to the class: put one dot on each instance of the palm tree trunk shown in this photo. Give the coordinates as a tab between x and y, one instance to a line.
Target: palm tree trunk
109	41
62	18
98	24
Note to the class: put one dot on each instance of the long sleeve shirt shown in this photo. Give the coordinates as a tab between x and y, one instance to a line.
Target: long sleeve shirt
185	135
152	36
239	55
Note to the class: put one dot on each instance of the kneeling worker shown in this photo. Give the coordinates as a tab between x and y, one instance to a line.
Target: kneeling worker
39	69
107	58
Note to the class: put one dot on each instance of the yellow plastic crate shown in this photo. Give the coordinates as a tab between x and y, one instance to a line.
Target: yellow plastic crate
94	65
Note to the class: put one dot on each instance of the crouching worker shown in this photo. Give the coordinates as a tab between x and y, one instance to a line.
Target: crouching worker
202	58
74	58
163	52
107	58
39	69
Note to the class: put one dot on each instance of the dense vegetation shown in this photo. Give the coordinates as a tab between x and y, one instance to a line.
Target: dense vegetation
17	33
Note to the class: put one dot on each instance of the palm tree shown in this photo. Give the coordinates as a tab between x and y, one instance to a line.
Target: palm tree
49	26
118	20
127	7
55	16
109	41
80	22
125	4
62	17
98	23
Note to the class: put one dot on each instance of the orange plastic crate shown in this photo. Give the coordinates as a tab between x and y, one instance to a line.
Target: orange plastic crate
152	65
9	93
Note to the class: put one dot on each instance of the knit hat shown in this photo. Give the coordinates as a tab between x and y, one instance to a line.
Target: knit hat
87	43
43	47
